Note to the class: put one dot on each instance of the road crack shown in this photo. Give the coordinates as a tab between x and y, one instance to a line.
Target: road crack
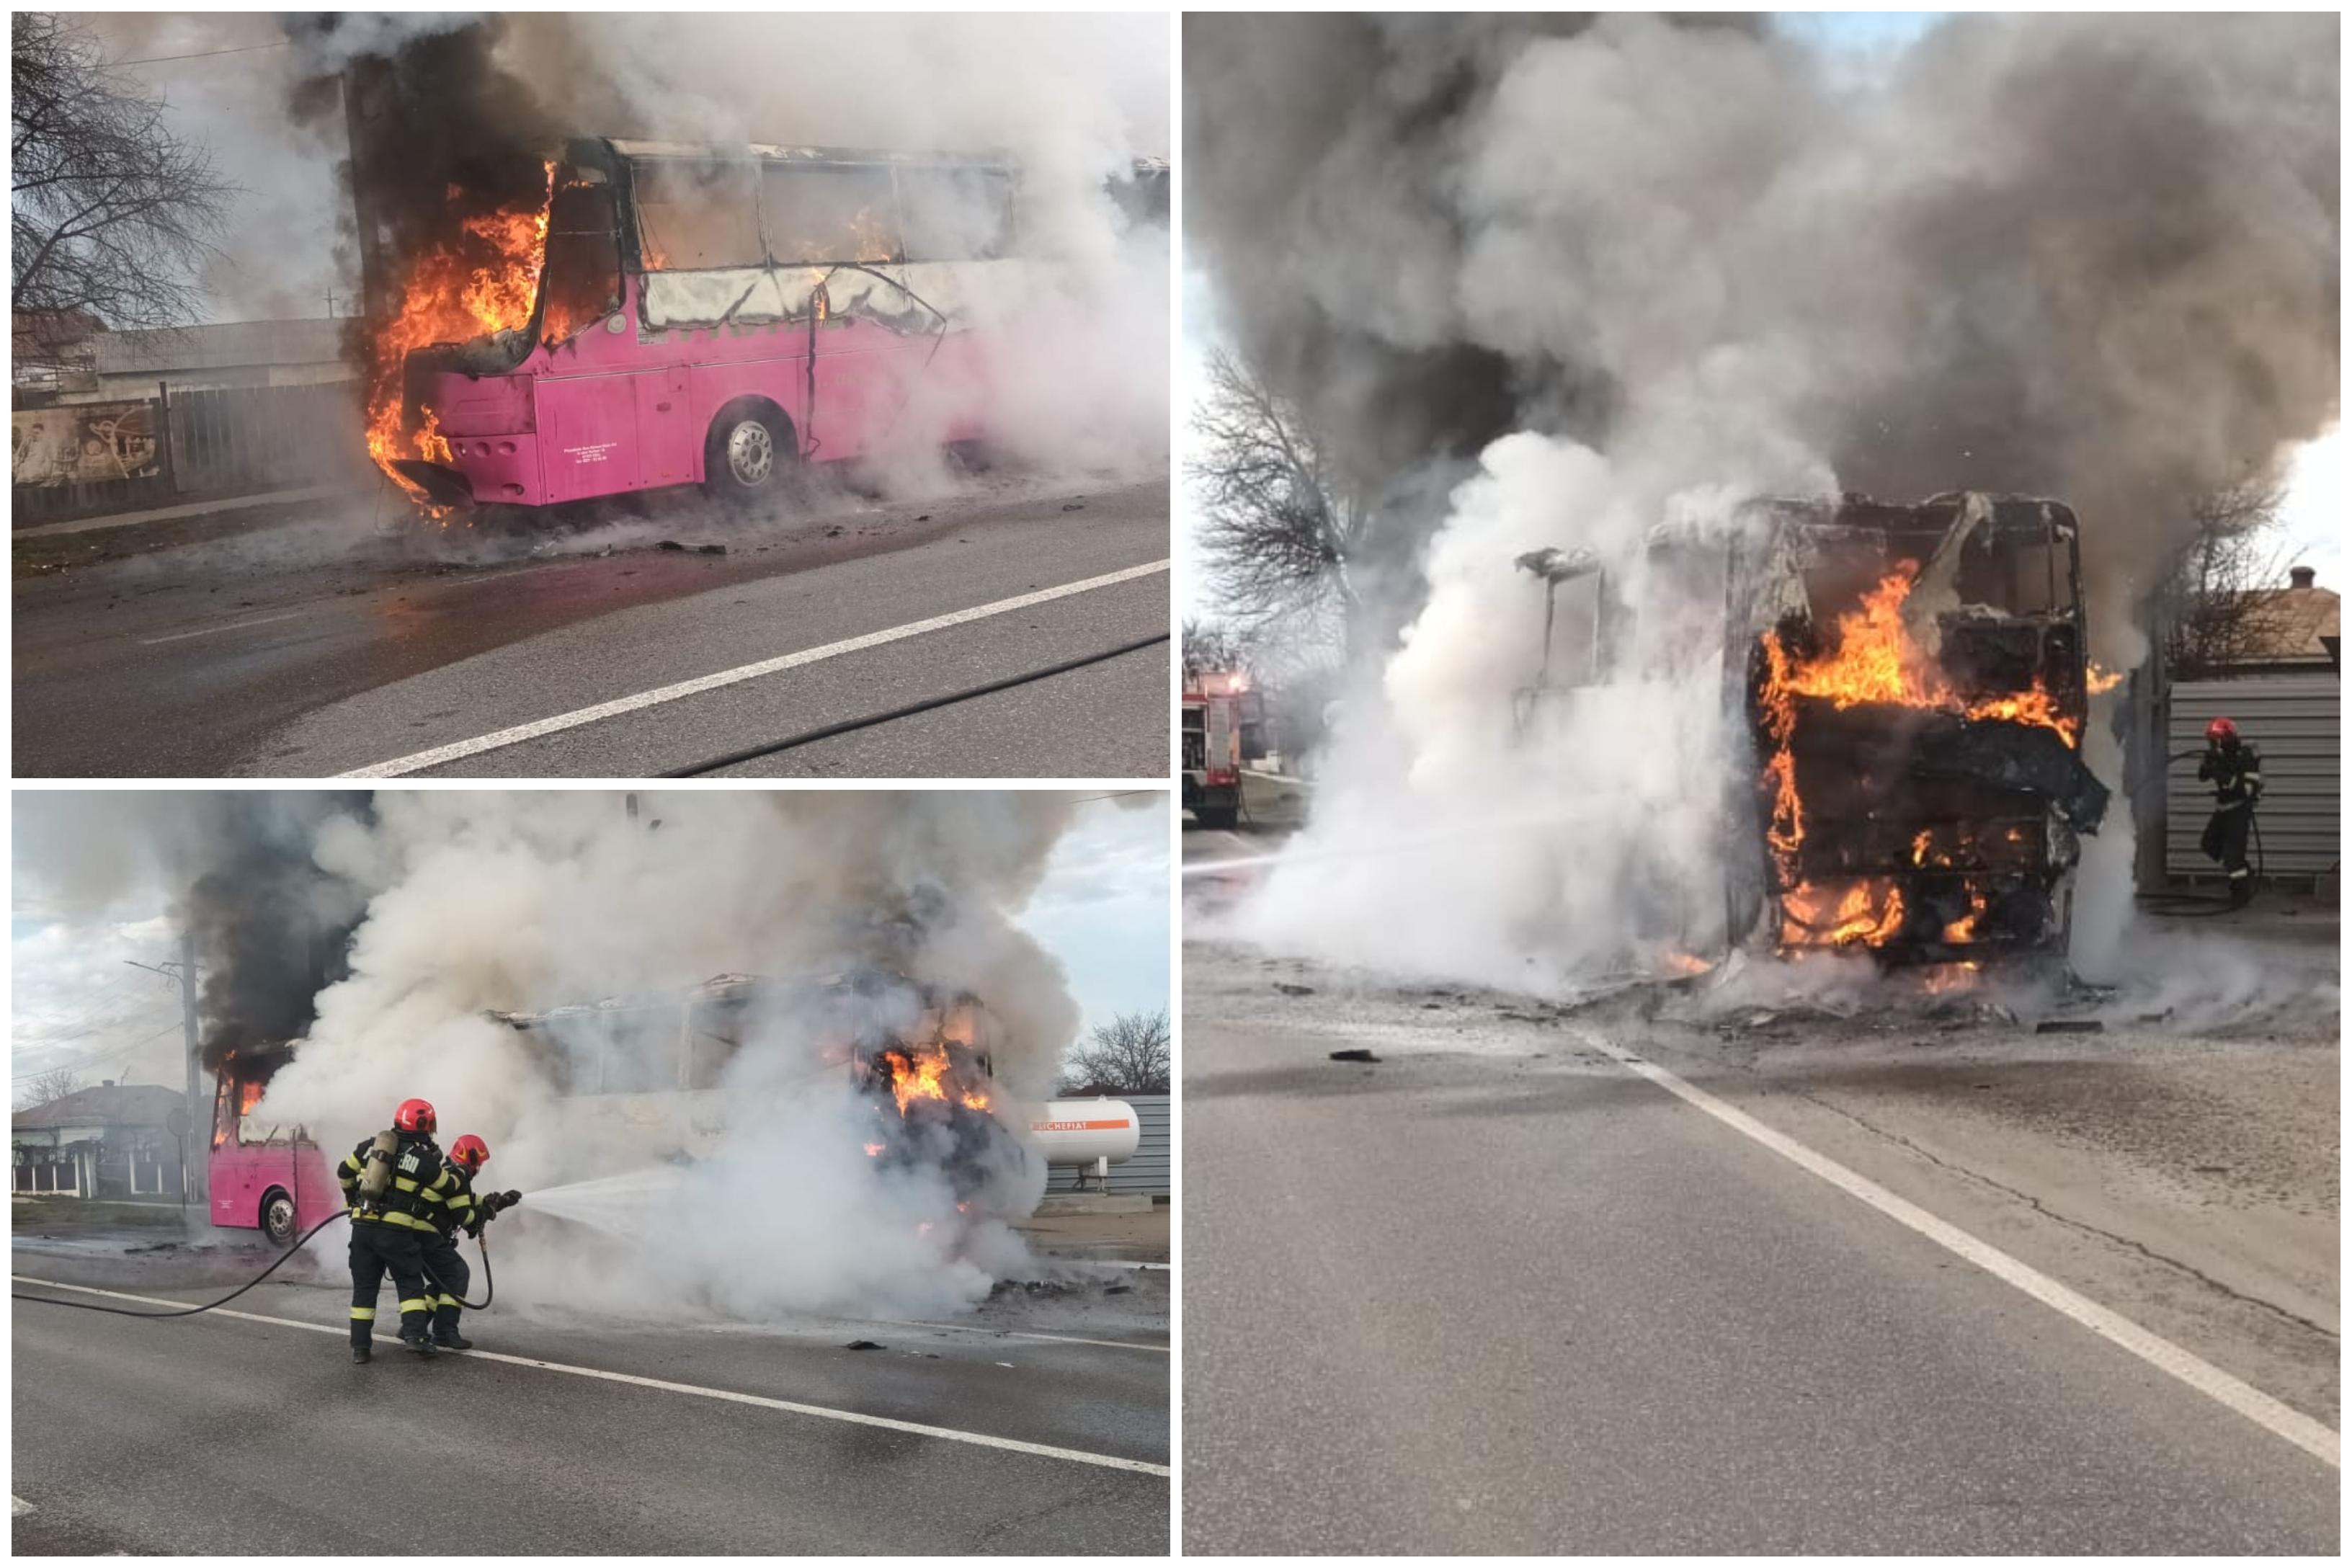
2086	1227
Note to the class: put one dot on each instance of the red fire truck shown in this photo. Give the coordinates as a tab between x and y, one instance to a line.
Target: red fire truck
1213	745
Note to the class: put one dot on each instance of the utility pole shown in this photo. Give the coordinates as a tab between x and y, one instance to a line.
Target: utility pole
362	82
196	1143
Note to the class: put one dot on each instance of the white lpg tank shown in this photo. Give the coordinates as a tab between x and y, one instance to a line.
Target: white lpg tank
1085	1132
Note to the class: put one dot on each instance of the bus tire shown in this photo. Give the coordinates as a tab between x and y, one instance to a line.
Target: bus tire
277	1215
748	451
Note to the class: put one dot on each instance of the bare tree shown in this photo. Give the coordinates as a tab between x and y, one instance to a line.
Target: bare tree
1213	645
1282	531
53	1085
114	214
1128	1054
2217	606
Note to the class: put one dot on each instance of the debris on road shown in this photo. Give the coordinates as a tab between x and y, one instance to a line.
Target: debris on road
861	1345
1290	990
2069	1027
1357	1054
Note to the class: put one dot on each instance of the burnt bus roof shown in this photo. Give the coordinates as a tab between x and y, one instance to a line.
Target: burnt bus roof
2013	515
605	148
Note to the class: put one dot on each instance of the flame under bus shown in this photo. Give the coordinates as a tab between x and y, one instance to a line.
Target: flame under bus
835	300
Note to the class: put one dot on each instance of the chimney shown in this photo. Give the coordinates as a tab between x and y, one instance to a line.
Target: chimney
2302	576
108	1084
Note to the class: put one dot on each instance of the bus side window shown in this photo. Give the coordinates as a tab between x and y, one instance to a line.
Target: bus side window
697	214
956	215
825	215
582	278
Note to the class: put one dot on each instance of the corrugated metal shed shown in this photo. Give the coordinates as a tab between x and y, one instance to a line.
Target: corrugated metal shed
1150	1171
2298	721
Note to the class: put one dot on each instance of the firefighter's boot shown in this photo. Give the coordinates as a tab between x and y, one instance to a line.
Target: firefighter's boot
361	1354
419	1341
445	1328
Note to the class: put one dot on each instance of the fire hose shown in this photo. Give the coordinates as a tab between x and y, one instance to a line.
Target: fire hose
489	1284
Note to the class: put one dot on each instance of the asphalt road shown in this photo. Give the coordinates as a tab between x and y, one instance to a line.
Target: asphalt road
1495	1292
221	1435
328	645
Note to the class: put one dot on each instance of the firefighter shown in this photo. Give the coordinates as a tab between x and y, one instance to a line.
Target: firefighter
462	1209
394	1183
2236	771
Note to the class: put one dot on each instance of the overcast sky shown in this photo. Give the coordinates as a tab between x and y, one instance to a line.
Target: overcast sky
1102	910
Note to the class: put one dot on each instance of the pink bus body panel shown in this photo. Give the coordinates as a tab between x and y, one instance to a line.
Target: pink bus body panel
605	413
241	1175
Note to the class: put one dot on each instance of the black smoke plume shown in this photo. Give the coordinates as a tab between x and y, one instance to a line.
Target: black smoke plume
439	133
271	929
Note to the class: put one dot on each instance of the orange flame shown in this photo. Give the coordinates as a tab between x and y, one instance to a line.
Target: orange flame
1872	659
873	1151
919	1076
1866	911
486	283
1943	978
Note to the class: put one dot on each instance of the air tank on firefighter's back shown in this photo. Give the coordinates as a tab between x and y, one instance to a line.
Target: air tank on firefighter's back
1085	1132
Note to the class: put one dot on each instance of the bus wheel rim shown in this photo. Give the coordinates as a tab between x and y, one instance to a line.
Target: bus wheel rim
751	452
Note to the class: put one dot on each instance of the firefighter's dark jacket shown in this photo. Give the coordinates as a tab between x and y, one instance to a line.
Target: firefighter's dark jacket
422	1185
460	1206
2236	772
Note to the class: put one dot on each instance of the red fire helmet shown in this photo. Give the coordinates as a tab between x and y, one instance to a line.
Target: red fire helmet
414	1116
2221	731
469	1151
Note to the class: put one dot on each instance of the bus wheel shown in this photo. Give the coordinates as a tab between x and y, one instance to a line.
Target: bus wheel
749	450
277	1215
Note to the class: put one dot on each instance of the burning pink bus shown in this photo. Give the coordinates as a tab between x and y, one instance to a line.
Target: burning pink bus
264	1176
710	316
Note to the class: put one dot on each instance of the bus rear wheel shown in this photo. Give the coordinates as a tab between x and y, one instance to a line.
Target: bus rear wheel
277	1215
748	451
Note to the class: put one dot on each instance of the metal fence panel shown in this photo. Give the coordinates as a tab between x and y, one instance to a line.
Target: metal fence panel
2298	721
263	438
1151	1170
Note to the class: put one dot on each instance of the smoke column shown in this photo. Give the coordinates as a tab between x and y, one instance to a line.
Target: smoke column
1636	266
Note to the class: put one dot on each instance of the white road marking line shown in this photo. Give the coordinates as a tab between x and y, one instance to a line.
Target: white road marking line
855	1417
207	631
2314	1438
17	1505
1019	1334
456	750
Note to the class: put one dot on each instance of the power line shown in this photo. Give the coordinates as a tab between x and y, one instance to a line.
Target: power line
101	1053
203	54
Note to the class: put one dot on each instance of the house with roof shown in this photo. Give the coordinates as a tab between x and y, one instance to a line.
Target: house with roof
114	1143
